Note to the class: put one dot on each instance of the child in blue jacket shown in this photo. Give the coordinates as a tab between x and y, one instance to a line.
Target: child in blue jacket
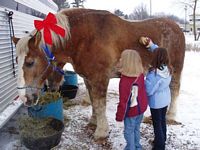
157	84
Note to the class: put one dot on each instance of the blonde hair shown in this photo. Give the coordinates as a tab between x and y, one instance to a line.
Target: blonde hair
131	63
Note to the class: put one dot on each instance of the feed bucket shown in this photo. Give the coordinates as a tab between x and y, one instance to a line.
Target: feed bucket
69	91
47	139
53	109
70	78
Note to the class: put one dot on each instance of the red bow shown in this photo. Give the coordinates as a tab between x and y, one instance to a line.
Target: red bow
49	23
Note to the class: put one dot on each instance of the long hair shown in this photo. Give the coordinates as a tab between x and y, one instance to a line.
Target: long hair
160	58
131	63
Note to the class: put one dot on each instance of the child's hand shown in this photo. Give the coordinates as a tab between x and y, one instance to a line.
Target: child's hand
120	124
146	41
119	65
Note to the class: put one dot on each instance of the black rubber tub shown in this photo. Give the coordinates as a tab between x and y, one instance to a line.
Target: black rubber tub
69	91
45	143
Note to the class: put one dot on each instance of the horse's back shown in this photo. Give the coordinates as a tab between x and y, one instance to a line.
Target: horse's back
165	33
82	12
108	33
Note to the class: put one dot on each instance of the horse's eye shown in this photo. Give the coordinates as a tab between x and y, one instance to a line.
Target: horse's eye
16	60
29	64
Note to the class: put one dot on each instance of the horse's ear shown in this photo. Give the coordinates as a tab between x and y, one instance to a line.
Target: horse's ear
35	40
15	39
38	37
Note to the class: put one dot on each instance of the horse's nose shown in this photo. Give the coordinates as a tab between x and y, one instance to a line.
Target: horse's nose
31	100
28	103
54	90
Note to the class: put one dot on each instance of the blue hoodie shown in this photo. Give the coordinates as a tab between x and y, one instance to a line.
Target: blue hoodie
157	88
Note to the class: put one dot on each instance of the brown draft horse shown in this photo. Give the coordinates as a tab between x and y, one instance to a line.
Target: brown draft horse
94	43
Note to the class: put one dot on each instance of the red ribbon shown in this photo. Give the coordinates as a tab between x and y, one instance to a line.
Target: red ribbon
49	23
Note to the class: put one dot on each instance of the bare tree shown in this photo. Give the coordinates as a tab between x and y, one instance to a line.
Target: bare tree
193	5
139	13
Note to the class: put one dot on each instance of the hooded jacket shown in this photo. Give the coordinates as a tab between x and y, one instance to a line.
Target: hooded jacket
157	88
127	108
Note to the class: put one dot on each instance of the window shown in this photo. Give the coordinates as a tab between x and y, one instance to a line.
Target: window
21	8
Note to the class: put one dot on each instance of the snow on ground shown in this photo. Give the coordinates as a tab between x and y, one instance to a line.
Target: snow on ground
79	136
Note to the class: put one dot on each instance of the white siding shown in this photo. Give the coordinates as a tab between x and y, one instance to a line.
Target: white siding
39	6
7	80
8	83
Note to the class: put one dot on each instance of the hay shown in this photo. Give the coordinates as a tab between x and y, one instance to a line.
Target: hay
49	97
66	120
69	103
36	128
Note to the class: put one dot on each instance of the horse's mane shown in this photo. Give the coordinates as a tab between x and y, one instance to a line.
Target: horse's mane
62	21
22	45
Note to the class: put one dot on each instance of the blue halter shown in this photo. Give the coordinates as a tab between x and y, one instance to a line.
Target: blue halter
51	59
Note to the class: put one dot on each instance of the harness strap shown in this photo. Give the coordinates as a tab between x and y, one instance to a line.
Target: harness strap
11	35
49	54
28	87
35	81
51	59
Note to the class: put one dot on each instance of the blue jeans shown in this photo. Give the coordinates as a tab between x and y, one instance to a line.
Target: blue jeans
159	126
132	132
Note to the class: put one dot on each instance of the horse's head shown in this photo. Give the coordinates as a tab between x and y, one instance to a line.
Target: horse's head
33	67
36	62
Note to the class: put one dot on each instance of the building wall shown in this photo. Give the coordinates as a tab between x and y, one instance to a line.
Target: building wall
23	23
197	22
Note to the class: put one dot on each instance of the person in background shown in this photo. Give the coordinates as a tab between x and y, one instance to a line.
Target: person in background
157	84
132	97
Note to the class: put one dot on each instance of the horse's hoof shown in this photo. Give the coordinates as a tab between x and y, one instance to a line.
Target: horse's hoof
173	122
101	137
105	143
171	116
92	126
101	140
85	103
147	120
99	134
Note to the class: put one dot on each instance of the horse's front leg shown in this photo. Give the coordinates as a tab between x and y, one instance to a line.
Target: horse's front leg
86	100
98	98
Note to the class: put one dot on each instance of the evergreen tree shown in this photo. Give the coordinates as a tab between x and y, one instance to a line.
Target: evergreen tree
118	12
62	4
78	3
